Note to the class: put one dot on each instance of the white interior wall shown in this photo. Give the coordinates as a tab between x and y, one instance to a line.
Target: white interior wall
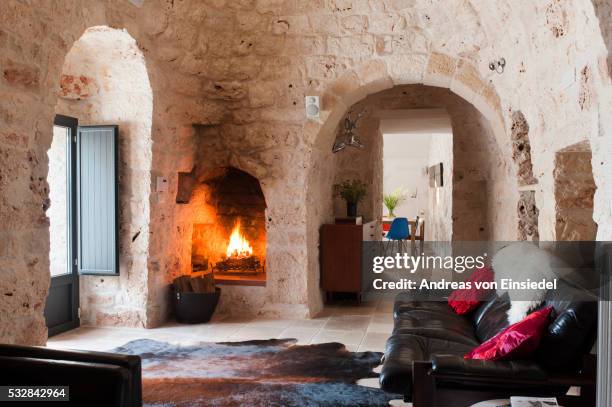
414	140
405	157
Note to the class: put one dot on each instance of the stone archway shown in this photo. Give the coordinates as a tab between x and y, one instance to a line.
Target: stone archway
435	69
104	80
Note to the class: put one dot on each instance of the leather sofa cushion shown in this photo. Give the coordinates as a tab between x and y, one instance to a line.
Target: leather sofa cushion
432	306
490	318
403	349
431	324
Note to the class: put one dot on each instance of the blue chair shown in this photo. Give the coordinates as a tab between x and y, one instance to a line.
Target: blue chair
399	232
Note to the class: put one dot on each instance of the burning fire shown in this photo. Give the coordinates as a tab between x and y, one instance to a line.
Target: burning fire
238	246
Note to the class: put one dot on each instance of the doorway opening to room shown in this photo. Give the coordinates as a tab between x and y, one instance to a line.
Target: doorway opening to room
417	163
61	311
99	182
444	157
83	220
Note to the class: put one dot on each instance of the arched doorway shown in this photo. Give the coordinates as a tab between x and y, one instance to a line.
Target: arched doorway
490	154
104	81
464	209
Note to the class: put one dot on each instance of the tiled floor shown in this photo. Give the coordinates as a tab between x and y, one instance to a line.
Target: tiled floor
360	328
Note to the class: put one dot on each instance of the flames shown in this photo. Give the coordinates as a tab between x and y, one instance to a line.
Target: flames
238	246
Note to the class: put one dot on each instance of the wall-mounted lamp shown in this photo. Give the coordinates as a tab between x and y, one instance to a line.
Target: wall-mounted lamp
498	66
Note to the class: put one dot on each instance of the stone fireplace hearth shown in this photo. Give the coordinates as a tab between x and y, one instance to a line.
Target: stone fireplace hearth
229	231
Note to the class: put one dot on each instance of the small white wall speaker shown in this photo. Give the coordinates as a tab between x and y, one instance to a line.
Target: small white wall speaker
312	107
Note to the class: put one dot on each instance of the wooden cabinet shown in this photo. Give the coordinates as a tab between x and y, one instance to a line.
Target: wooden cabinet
341	258
341	255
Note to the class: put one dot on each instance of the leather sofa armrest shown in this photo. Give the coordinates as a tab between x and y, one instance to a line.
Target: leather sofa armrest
458	366
131	363
88	383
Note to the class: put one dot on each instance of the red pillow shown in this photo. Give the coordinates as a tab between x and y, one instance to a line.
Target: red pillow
466	300
518	341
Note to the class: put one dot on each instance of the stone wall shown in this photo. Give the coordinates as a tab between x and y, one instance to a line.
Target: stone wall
603	10
245	67
574	191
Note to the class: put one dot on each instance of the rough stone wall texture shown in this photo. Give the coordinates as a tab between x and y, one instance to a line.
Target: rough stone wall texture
246	66
521	149
574	191
32	54
528	212
603	10
104	81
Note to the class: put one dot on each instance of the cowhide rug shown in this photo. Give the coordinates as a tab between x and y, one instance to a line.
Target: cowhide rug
268	373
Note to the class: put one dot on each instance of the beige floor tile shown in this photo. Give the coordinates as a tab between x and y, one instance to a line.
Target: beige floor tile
252	333
309	323
374	342
270	323
382	317
345	337
303	335
354	310
348	323
384	327
209	333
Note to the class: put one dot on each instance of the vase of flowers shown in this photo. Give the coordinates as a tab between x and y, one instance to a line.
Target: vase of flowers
352	191
393	199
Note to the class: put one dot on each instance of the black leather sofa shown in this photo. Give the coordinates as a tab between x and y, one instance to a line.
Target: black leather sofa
94	378
424	355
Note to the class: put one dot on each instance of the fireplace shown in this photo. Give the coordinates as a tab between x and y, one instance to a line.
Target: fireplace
229	229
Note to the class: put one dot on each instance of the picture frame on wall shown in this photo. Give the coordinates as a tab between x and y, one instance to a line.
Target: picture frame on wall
436	178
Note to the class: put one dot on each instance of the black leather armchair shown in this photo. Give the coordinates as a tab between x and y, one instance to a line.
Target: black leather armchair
94	378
